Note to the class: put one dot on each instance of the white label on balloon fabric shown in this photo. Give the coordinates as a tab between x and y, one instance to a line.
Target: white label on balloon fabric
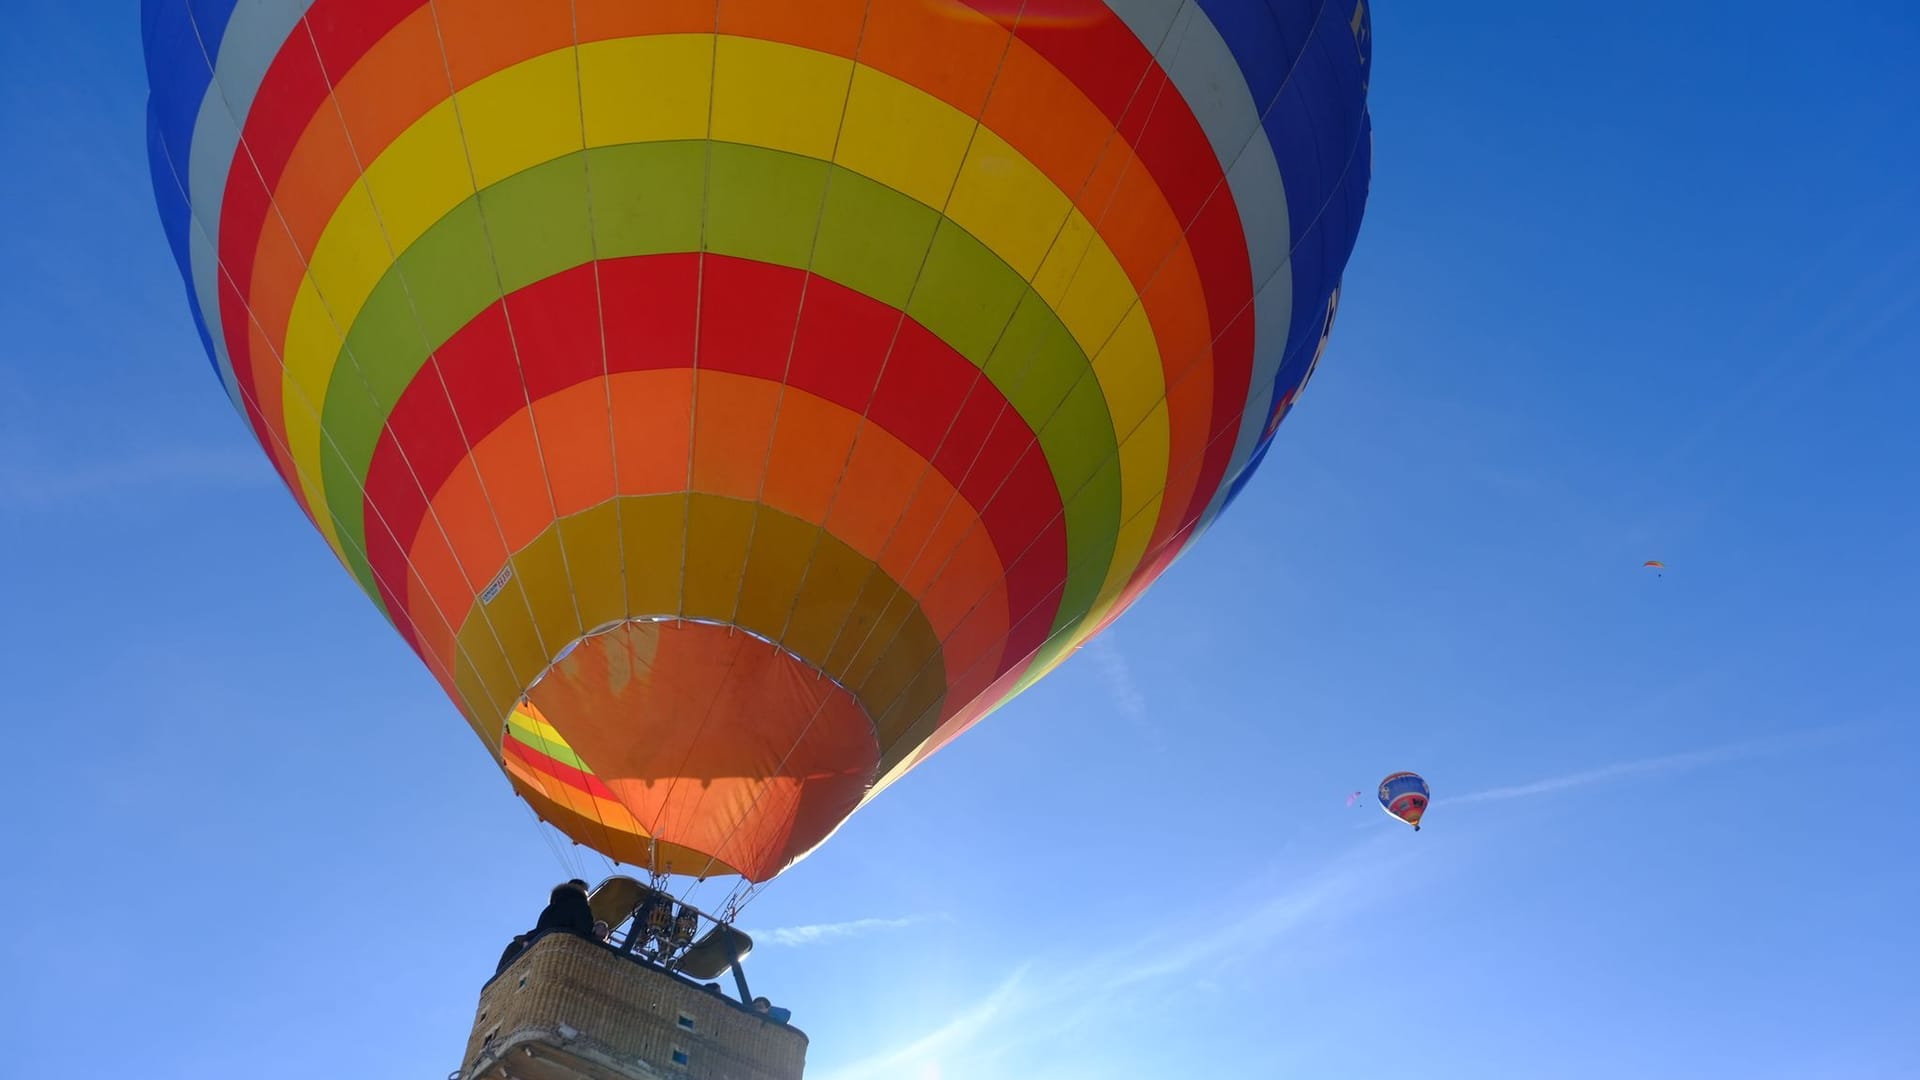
499	582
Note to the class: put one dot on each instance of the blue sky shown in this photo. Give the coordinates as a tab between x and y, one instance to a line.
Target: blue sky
1637	281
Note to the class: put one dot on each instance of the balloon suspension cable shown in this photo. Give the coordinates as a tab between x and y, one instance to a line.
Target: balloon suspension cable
737	900
685	895
546	836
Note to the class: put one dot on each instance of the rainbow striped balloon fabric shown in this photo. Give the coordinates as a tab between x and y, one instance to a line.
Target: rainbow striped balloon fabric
731	402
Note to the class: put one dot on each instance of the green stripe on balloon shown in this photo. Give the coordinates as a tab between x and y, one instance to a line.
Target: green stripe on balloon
647	199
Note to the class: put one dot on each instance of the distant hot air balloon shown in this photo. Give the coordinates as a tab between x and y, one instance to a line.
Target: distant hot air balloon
1404	795
731	403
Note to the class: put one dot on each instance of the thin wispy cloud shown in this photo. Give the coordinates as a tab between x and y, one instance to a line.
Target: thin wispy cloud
30	481
966	1028
1071	992
1117	675
998	1035
818	933
1849	324
1666	763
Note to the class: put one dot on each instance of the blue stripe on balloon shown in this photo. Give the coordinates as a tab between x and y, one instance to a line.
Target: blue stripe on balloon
173	33
1298	59
1402	785
178	37
176	220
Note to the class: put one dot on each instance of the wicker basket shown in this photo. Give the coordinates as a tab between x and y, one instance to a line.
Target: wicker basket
573	1009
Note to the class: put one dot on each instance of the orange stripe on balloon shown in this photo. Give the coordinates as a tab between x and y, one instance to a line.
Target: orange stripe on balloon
827	28
375	100
956	65
600	20
508	461
473	548
576	445
481	37
941	532
1068	139
272	416
732	426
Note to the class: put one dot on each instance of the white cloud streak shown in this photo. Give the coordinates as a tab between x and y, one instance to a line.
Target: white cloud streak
816	933
1668	763
1117	674
965	1028
28	481
1043	1002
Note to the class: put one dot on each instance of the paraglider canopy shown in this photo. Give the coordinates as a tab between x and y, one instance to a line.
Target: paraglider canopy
1404	795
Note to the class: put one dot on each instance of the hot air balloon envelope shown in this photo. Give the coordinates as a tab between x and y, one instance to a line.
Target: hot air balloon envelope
1404	795
732	402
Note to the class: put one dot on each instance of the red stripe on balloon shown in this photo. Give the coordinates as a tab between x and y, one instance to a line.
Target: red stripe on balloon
557	769
1098	52
1083	40
840	344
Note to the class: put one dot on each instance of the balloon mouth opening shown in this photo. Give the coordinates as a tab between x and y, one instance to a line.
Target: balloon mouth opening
619	626
690	747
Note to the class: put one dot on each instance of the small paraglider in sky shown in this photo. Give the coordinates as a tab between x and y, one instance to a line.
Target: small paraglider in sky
1404	795
1353	798
1658	567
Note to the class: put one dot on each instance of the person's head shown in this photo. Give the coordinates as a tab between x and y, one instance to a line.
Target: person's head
600	929
761	1004
576	883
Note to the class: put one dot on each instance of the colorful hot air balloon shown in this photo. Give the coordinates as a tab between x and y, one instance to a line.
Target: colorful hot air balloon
1404	795
733	402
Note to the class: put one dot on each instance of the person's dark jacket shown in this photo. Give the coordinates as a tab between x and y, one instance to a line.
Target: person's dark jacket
567	910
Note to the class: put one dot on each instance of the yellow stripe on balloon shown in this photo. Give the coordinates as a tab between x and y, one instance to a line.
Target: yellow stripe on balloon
1129	549
778	96
1008	203
538	729
1128	367
766	94
1143	476
510	122
896	134
672	73
413	182
1137	402
402	193
303	424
